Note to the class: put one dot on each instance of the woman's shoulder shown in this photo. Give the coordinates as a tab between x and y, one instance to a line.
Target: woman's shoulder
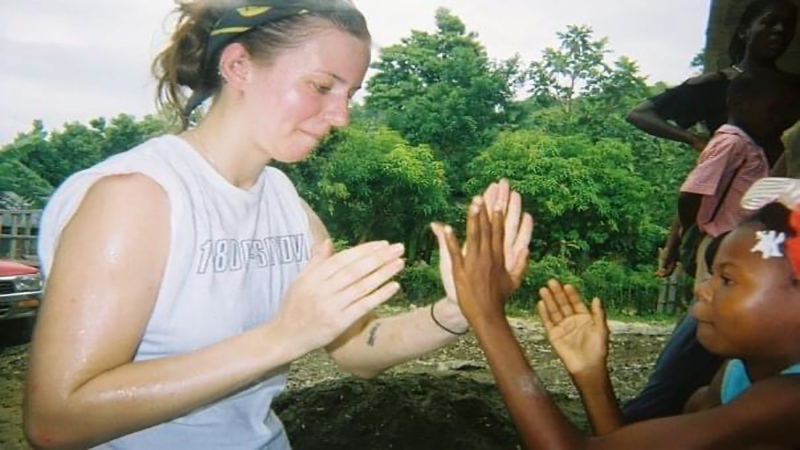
279	180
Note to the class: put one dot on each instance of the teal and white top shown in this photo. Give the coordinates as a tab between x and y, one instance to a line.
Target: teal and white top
736	380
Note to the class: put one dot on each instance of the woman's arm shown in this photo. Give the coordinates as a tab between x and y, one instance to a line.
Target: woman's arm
83	387
376	344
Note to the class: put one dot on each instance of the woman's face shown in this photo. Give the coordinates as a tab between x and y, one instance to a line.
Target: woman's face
772	31
749	306
295	102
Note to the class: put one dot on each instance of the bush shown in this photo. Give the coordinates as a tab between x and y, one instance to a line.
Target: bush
621	289
421	283
539	273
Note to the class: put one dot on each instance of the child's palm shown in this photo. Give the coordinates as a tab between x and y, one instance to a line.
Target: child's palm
578	342
579	336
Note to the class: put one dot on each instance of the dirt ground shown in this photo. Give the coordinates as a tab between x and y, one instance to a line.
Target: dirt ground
446	400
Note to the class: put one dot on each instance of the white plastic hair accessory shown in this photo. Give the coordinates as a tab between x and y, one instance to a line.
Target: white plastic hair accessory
768	190
770	244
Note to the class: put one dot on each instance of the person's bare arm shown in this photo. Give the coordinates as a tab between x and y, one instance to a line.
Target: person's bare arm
375	344
707	397
483	286
645	117
580	338
668	256
83	387
688	208
767	413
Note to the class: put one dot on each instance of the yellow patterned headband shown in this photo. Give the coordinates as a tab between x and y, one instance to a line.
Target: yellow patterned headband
238	21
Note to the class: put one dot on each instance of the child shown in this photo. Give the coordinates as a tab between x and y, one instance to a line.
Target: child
761	105
748	310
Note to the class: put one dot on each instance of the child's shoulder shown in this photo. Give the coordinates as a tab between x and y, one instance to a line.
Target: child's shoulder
708	78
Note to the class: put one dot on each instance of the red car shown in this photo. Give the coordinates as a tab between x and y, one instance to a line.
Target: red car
20	293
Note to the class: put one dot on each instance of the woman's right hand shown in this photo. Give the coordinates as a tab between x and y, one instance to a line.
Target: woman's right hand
335	290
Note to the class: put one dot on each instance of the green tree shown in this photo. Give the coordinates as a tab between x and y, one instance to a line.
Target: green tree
581	94
37	161
699	61
443	90
15	176
125	132
371	184
65	152
564	73
586	197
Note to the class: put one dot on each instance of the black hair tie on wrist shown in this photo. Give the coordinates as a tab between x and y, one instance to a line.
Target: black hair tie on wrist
444	327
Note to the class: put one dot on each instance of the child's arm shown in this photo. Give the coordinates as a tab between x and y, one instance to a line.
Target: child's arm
707	397
668	256
767	413
580	338
688	207
483	287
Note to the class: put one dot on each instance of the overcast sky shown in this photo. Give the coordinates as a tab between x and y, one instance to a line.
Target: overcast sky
75	60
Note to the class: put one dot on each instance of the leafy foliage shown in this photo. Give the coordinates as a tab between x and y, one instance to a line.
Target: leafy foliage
371	184
585	196
443	90
37	161
562	74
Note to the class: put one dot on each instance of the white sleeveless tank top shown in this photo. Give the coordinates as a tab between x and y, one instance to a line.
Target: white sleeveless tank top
233	254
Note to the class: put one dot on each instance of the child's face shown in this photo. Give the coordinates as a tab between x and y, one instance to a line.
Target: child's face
749	307
770	34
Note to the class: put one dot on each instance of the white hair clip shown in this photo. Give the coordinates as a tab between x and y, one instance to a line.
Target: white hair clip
768	190
770	244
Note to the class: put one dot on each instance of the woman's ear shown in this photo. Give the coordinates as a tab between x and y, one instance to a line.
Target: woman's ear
235	66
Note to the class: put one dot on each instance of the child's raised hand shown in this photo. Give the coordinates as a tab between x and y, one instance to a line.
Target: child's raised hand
481	279
579	336
518	230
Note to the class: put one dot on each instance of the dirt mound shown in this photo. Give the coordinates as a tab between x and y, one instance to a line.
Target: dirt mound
404	411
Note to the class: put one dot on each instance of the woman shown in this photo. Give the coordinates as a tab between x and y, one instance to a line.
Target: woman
180	277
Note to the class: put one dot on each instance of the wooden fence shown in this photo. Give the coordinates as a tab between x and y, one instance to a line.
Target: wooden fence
18	232
675	293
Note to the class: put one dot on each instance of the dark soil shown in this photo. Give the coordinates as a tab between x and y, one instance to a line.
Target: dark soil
446	400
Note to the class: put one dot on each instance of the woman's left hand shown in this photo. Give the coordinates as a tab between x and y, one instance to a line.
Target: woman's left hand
518	228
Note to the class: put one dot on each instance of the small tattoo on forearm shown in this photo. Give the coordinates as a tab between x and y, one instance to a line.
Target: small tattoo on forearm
373	334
